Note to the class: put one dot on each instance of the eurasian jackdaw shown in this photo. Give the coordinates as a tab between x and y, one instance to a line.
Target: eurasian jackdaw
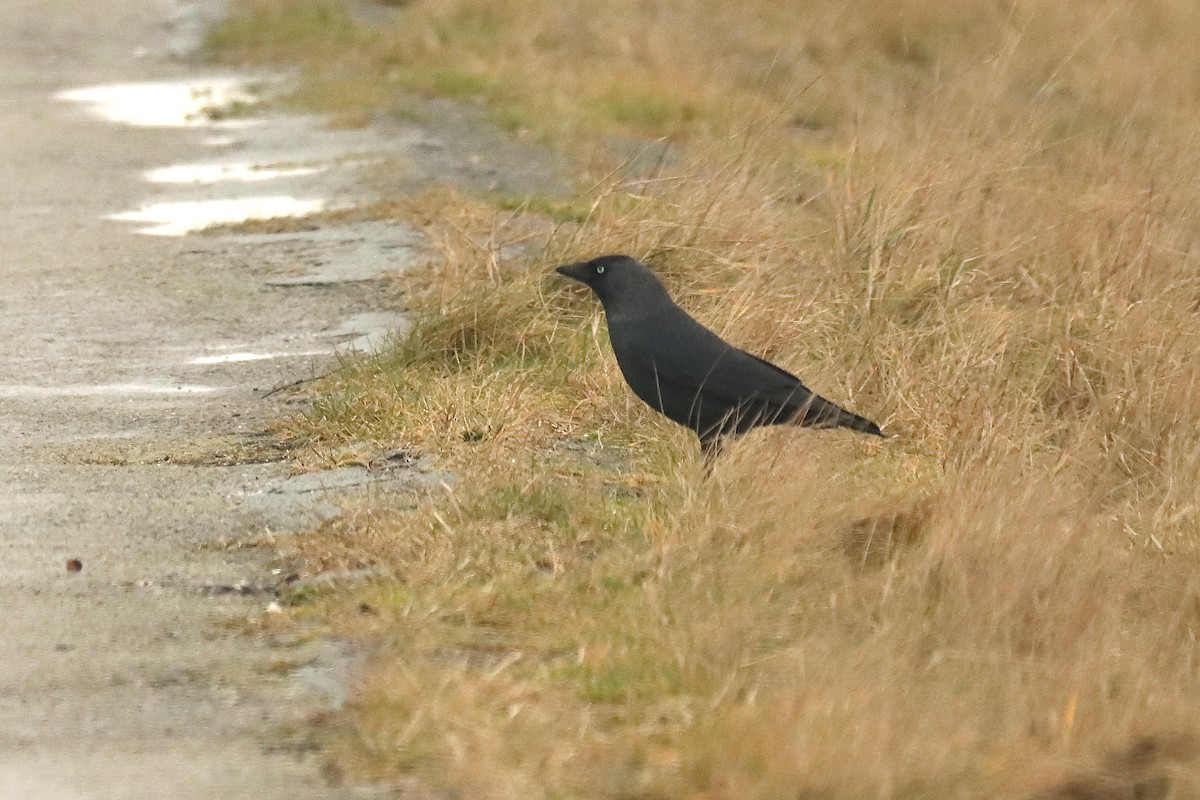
688	373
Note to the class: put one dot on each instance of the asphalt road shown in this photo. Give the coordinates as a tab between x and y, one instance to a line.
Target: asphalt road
127	680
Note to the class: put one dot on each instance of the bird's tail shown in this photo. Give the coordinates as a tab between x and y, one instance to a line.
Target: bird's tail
818	412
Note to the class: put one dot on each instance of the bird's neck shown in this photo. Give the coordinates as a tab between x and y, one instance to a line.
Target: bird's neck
646	305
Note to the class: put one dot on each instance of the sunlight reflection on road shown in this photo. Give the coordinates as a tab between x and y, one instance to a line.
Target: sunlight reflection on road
179	217
245	172
192	103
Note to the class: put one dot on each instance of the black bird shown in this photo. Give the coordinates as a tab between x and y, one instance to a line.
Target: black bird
688	373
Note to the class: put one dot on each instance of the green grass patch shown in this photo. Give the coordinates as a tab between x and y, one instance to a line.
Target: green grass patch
285	30
574	210
644	111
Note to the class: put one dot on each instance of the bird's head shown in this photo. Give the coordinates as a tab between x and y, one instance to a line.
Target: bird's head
617	280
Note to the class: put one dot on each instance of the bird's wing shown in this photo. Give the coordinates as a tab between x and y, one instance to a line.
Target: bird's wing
811	409
780	373
732	376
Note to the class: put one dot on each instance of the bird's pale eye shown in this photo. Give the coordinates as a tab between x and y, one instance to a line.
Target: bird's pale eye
599	270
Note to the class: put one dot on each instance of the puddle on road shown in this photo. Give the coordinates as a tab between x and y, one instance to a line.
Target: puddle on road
237	358
279	148
269	148
198	102
328	256
102	390
371	331
245	172
185	216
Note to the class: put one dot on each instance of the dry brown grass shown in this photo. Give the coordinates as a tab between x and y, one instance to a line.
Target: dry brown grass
974	221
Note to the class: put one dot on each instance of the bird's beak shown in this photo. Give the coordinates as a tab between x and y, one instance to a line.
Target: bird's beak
578	271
